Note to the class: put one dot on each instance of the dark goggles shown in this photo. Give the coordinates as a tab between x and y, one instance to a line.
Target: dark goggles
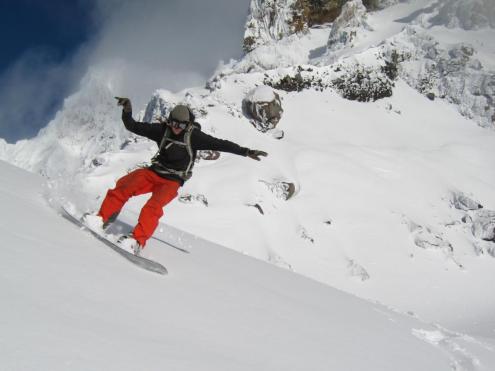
178	124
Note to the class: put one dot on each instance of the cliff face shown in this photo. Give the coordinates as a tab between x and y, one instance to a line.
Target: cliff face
272	20
268	20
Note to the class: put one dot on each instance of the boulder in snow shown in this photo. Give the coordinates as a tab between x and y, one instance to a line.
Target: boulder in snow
281	190
264	107
484	225
208	155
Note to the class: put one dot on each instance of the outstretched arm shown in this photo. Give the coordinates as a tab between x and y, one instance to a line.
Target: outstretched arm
151	131
203	141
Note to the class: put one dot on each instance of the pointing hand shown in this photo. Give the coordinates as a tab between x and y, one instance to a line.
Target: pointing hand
125	103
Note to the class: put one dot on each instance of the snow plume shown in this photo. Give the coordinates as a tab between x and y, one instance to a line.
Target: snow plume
145	45
172	44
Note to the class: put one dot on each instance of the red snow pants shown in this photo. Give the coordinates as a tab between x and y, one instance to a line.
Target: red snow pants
136	183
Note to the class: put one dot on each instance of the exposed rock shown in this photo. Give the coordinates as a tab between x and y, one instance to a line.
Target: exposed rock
484	225
391	67
425	238
208	155
463	202
258	207
268	20
364	84
98	161
453	74
282	190
294	83
193	199
156	109
310	13
277	134
272	20
264	108
305	235
349	23
353	82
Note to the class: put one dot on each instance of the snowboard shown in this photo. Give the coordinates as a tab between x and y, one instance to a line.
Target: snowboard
140	261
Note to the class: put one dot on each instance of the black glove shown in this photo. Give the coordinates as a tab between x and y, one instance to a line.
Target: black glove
255	154
125	103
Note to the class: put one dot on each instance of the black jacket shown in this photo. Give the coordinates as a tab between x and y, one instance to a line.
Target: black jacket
176	156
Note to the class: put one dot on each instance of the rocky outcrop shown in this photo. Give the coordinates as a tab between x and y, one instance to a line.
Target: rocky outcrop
452	73
349	23
268	20
483	225
272	20
353	81
263	107
156	109
208	155
462	202
280	189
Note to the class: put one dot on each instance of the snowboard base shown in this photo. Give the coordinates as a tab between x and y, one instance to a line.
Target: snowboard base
140	261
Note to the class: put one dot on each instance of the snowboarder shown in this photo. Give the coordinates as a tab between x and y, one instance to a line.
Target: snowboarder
179	137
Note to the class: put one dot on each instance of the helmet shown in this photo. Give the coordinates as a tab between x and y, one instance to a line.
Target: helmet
181	113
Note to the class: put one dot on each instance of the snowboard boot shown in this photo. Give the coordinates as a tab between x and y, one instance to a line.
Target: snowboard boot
93	222
110	220
129	244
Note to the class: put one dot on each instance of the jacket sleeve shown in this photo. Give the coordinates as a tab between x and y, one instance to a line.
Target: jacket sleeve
151	131
202	141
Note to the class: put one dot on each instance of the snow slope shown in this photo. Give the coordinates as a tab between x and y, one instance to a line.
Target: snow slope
70	303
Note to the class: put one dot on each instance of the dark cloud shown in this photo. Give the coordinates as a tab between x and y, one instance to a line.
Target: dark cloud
149	44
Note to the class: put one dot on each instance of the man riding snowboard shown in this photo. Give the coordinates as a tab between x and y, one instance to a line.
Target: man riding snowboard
178	139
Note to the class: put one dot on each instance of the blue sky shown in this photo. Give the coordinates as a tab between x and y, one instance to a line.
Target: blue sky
38	39
48	46
58	25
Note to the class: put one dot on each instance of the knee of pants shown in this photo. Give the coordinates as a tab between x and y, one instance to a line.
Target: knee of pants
122	193
154	208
